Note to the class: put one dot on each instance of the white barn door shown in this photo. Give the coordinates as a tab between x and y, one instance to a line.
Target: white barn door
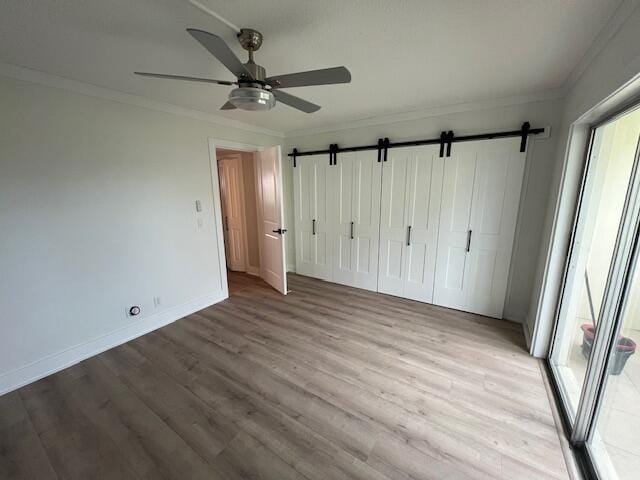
356	218
410	208
311	205
480	198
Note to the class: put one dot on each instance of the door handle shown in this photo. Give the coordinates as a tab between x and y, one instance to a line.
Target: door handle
313	226
468	240
409	235
226	223
280	230
351	231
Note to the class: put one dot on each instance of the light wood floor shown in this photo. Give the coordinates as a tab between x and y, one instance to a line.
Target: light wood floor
328	383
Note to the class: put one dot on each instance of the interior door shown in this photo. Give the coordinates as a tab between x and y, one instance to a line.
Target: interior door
313	243
356	183
232	193
480	199
272	230
410	210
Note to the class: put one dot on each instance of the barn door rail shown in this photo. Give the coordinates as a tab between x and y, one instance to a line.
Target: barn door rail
445	140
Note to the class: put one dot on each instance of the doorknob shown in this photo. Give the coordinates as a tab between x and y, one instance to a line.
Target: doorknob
280	230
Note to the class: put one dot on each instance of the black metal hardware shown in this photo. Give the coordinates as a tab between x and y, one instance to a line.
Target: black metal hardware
280	230
443	139
313	226
449	142
333	154
295	153
526	127
468	240
431	141
351	231
386	149
226	223
380	145
409	235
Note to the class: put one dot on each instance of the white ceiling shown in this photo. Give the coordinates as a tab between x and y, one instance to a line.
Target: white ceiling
403	55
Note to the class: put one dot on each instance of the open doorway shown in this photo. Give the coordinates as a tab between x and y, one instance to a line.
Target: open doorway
251	215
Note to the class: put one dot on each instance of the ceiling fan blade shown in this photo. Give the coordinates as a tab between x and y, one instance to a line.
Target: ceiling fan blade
219	49
228	106
325	76
182	77
296	102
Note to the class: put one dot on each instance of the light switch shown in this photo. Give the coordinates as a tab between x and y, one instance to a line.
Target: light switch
198	206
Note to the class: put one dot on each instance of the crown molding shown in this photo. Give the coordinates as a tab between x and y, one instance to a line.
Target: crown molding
613	25
54	81
552	94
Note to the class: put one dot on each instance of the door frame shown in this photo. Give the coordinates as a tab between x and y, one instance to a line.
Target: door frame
222	143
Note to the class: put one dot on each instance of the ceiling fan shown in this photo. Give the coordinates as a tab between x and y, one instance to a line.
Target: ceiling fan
255	90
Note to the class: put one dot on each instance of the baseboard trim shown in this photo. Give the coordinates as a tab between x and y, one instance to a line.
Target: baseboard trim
255	271
527	334
32	372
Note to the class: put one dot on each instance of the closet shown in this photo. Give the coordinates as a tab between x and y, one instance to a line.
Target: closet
415	222
479	207
409	216
311	206
355	193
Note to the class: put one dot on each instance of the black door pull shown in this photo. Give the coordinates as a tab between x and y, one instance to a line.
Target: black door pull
313	226
409	235
351	231
280	230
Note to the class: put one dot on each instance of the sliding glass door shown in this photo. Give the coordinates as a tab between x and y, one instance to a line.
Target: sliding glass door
593	356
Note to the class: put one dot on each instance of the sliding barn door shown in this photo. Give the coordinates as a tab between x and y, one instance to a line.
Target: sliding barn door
311	205
410	208
356	218
480	198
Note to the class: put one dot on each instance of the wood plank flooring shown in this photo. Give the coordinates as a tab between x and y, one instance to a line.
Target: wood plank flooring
329	382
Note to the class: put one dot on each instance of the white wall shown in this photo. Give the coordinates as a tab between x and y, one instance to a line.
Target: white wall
97	212
540	161
613	66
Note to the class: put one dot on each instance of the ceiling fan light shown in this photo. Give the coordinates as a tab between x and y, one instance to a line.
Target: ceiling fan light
254	99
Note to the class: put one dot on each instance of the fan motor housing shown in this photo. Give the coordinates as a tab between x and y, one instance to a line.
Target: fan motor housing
258	71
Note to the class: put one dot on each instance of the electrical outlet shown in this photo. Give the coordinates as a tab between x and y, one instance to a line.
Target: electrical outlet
157	302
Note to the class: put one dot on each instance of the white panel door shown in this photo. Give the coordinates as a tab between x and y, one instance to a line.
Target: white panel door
355	191
480	198
232	195
272	247
411	190
311	205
